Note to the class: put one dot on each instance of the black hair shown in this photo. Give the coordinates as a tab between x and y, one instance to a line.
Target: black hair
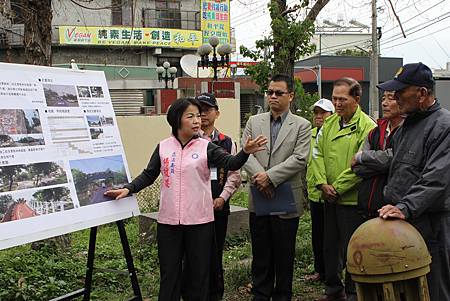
355	86
284	78
176	111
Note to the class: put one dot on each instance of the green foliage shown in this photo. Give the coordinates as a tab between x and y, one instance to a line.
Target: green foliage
277	53
291	39
261	72
54	194
304	100
48	272
240	198
352	52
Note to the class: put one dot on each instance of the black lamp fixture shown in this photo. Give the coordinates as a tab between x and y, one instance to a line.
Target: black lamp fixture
223	50
166	73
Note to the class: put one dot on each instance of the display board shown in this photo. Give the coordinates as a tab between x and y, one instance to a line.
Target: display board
60	150
215	20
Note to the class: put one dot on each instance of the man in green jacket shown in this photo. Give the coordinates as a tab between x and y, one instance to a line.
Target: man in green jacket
322	109
343	134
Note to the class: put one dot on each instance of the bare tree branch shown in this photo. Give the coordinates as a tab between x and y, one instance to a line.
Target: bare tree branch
315	10
95	8
290	10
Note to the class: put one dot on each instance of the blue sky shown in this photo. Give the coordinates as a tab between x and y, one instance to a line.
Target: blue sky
92	165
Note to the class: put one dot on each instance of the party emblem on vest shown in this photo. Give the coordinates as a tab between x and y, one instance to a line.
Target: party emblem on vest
195	156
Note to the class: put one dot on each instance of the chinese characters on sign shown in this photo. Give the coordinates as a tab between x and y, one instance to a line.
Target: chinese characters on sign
216	20
127	36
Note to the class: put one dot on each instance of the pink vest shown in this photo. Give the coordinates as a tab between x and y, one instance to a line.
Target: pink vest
186	197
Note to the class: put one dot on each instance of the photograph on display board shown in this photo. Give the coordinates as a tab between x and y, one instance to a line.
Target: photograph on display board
25	176
60	95
93	120
30	203
83	91
96	133
93	177
20	127
97	92
107	121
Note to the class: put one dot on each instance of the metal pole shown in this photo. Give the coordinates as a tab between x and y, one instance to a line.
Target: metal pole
319	80
318	75
215	63
373	95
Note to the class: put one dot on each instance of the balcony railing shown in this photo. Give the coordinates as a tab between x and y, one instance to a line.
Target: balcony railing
171	18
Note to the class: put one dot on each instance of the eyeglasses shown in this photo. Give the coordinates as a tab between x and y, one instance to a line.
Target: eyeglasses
277	93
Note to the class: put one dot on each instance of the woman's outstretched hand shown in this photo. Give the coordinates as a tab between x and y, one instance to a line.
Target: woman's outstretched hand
117	193
255	145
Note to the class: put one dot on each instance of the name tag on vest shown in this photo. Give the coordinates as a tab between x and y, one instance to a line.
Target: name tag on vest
213	172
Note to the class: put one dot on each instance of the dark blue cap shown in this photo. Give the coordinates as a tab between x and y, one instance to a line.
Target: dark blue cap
416	74
208	99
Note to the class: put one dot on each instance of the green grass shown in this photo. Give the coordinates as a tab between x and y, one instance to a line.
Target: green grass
27	274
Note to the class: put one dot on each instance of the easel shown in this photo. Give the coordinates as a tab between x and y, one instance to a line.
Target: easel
86	291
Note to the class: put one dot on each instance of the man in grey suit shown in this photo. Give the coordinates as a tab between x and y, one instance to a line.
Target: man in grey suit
284	162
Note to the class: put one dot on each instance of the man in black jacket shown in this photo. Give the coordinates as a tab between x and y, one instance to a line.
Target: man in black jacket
418	183
224	184
369	165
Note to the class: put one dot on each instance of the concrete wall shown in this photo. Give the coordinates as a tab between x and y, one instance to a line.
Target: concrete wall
141	134
66	12
443	92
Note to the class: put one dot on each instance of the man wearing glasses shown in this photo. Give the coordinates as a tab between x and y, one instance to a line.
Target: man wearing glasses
283	164
418	183
343	134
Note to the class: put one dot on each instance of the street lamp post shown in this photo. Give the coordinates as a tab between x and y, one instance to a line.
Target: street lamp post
318	75
223	50
166	73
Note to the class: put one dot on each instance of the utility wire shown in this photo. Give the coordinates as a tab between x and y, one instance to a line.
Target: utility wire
426	35
439	19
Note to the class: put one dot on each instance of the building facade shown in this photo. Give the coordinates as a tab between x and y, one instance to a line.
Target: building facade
127	39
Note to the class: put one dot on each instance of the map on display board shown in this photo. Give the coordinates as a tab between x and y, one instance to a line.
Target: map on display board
60	150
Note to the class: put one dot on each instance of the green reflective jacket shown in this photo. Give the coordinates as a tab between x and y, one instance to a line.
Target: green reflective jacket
335	149
313	193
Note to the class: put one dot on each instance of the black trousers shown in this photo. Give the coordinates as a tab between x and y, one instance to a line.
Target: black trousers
435	230
317	229
175	242
273	248
217	284
340	223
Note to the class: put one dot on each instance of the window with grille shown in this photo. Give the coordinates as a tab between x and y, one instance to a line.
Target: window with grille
168	14
116	12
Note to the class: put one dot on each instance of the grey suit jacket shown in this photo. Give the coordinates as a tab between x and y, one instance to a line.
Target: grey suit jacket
287	160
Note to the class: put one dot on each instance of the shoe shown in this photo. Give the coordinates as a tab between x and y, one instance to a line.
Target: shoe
313	278
341	296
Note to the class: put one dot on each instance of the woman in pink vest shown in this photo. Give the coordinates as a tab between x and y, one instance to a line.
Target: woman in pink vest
186	214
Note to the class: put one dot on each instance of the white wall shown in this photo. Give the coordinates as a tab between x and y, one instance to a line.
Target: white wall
141	134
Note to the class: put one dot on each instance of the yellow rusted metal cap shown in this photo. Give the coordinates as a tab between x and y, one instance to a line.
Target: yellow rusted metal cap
387	250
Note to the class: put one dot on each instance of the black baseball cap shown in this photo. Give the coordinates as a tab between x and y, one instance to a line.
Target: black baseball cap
416	74
207	99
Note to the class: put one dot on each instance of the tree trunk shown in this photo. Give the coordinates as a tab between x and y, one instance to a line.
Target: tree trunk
281	64
37	15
